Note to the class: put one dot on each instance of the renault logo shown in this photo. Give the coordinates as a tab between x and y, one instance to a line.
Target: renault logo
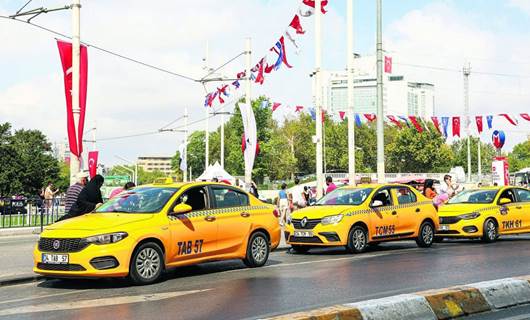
56	244
303	222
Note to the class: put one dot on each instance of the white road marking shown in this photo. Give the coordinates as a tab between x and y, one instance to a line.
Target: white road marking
103	302
44	296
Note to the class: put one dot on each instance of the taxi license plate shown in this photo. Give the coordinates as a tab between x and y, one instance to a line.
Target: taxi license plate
444	228
303	233
54	258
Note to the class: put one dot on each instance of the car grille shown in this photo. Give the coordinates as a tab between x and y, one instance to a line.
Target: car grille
60	267
310	224
305	239
449	220
65	245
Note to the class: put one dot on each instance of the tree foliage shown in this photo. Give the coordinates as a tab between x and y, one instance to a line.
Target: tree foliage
519	158
487	152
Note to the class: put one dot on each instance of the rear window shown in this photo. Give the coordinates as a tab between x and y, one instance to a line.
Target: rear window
226	198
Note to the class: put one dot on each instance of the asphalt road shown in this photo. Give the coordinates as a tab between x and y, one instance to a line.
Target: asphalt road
227	290
18	250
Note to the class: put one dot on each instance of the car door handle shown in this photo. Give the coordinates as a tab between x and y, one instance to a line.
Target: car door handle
518	207
394	213
418	210
209	218
245	214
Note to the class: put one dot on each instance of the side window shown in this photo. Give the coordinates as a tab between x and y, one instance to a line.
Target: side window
405	195
383	196
524	195
226	198
194	197
508	194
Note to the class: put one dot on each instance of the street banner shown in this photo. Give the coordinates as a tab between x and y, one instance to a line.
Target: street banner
92	163
456	126
250	135
499	170
388	64
65	51
182	151
478	120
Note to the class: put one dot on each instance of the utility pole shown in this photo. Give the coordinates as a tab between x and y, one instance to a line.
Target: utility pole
467	71
222	140
248	101
185	149
380	120
351	125
207	136
318	98
76	56
479	160
94	146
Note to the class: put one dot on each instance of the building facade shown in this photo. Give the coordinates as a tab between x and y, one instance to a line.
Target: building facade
155	163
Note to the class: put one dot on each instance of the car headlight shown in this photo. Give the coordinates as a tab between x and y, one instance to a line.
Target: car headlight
469	216
107	238
331	219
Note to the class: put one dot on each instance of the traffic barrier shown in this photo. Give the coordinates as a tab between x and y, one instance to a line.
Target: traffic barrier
448	303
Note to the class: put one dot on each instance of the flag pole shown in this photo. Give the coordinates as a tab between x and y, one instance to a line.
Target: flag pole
248	101
76	56
351	125
185	155
207	130
318	97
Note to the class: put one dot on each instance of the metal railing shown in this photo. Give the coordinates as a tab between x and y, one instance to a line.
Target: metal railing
30	212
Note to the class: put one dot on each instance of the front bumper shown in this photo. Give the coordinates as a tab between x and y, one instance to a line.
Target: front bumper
79	263
320	235
462	229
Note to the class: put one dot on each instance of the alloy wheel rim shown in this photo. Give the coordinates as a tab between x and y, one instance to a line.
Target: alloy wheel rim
491	230
359	239
259	249
148	263
427	234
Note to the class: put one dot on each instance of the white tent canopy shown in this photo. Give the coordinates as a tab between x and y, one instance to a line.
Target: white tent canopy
215	171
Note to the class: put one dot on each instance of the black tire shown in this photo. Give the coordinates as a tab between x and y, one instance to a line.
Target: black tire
147	264
490	231
258	250
299	248
357	240
425	235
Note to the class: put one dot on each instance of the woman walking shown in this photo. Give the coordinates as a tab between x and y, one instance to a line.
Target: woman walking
283	204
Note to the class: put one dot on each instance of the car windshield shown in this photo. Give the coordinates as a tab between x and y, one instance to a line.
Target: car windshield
345	196
474	196
139	200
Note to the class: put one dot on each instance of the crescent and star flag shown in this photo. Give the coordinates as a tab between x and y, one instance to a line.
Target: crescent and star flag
388	64
445	124
299	108
275	105
510	120
311	3
342	114
92	163
436	124
395	121
478	120
295	24
370	117
416	124
525	116
75	137
489	120
456	126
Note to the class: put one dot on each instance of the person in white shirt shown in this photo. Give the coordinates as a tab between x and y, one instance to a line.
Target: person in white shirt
297	195
447	186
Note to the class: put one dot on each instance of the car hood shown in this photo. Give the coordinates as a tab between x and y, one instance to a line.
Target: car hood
99	221
450	210
318	212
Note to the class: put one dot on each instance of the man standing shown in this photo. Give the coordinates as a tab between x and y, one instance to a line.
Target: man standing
48	197
330	184
74	190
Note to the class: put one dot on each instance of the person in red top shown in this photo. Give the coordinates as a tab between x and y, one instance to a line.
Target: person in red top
330	184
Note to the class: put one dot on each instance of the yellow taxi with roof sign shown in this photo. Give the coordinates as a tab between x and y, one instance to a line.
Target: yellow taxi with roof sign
145	230
485	213
356	217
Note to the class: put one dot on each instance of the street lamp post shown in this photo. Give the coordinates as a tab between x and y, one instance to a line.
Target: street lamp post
135	171
380	120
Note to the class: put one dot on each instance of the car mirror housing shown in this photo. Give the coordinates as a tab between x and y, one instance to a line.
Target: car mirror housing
504	201
181	208
377	203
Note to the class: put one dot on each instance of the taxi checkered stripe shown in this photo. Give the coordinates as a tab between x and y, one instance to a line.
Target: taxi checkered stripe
212	212
400	206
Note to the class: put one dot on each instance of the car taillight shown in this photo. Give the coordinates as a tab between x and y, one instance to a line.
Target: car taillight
276	213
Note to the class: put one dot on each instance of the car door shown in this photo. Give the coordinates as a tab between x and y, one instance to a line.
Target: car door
383	219
523	207
193	234
234	217
407	210
511	214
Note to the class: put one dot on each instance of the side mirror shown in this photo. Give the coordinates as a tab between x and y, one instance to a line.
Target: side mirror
377	203
181	208
504	201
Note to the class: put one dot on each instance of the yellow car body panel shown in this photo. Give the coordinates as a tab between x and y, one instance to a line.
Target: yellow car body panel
185	239
386	223
510	218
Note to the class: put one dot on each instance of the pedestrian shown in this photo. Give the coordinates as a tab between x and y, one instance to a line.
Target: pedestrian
428	189
297	196
49	194
215	179
74	190
447	187
88	200
330	184
283	204
307	194
479	185
129	185
254	189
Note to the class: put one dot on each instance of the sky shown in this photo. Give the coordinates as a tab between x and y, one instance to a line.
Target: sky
125	98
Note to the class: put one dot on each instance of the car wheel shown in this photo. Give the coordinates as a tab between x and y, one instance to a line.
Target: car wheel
147	264
258	250
490	231
425	235
357	240
299	248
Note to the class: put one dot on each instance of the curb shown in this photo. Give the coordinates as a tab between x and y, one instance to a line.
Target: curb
19	231
19	280
448	303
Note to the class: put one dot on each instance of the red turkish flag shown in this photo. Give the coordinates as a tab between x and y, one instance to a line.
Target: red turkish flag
299	108
65	51
525	116
478	120
416	124
510	120
394	121
275	105
456	126
92	163
436	124
388	64
311	3
370	117
295	24
342	114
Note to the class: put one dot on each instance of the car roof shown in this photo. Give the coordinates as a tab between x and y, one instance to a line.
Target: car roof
168	184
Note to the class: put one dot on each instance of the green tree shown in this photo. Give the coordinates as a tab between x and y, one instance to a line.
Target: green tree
519	158
144	177
487	152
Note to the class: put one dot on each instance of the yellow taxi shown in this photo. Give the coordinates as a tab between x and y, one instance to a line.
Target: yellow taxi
485	213
150	228
356	217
